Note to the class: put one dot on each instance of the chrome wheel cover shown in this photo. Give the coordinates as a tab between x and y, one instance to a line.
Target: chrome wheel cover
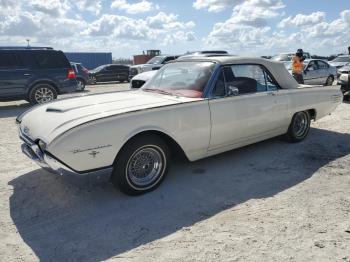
145	167
43	95
300	124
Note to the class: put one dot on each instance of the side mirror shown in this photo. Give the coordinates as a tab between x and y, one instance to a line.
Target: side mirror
232	91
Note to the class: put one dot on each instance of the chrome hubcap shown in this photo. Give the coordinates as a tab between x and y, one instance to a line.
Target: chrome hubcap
43	95
145	166
300	124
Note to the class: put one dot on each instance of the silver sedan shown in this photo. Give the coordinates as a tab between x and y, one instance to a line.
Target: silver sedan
317	72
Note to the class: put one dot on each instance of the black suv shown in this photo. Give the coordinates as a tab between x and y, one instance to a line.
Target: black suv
37	75
107	73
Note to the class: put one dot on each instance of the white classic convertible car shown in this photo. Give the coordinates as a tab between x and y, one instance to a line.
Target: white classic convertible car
201	107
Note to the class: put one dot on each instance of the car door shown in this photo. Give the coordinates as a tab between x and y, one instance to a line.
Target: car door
102	75
245	105
312	73
13	76
120	72
324	72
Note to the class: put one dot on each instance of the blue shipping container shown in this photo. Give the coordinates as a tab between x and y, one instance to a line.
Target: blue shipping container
90	60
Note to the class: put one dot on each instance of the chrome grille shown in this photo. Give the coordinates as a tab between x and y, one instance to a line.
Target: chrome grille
137	83
133	71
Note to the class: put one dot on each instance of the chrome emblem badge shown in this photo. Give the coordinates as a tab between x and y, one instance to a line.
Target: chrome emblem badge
94	153
26	130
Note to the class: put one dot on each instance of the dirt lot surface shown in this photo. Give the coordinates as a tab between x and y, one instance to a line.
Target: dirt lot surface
271	201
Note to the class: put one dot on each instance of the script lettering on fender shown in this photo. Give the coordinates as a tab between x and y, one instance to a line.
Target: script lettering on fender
75	151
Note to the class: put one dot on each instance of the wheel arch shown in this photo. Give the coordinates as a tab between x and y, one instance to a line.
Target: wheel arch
44	81
313	114
82	79
174	146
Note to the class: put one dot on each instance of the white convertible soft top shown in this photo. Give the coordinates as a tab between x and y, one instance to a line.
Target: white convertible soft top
277	69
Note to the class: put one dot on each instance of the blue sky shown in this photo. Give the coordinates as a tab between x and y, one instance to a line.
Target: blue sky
127	27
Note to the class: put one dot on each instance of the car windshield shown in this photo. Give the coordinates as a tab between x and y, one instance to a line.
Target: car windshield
186	79
282	57
156	60
341	59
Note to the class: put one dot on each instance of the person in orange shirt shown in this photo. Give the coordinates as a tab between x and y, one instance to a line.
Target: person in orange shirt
298	66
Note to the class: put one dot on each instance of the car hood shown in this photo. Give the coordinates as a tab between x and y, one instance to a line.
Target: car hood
145	76
338	64
145	65
345	68
47	121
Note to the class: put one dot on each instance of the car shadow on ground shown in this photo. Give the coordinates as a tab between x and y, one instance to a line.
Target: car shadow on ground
64	220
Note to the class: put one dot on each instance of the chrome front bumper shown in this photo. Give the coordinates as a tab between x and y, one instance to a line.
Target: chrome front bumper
45	161
32	150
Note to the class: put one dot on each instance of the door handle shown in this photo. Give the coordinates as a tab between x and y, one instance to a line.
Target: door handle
26	74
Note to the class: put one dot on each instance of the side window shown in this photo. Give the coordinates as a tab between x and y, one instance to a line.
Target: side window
49	59
219	89
243	79
167	59
270	83
322	65
312	66
8	60
248	78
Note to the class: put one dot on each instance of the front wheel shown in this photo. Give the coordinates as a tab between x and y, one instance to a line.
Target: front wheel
329	81
299	127
141	165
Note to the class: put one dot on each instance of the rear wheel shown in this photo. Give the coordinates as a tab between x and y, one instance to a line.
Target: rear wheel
42	93
329	81
299	127
141	165
81	84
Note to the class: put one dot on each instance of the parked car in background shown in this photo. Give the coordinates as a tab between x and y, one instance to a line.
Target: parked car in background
317	72
199	107
82	75
37	75
287	57
153	64
340	61
108	73
344	80
140	79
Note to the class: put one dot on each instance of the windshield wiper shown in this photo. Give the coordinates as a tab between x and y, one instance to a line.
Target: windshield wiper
158	91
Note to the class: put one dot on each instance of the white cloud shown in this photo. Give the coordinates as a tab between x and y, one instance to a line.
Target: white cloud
303	20
216	5
51	7
249	31
136	8
247	26
93	6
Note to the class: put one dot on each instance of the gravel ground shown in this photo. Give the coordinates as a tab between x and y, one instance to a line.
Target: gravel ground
271	201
